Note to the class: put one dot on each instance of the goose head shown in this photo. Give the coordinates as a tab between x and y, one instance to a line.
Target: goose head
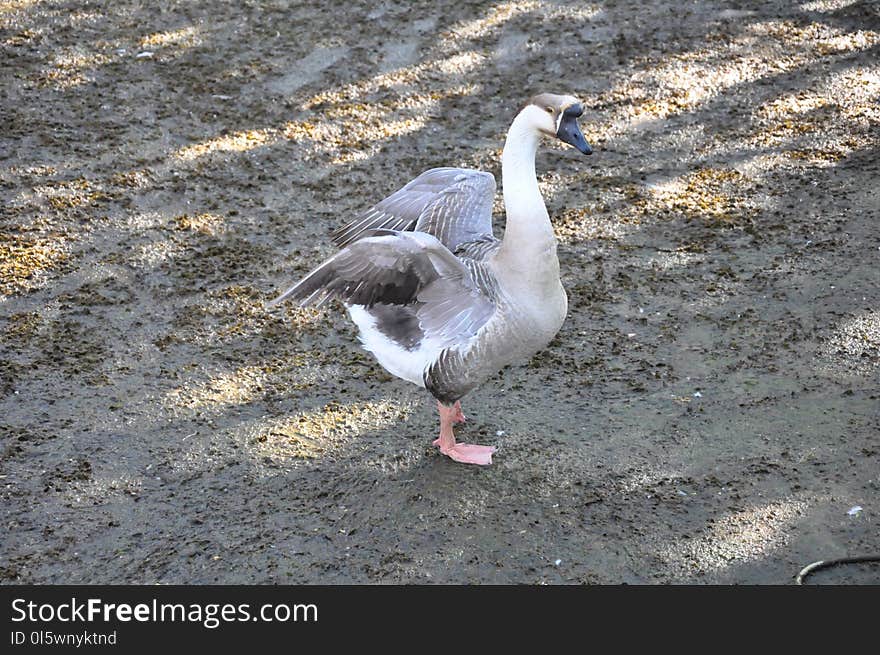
556	116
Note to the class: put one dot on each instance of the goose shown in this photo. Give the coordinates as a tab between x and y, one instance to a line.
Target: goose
437	299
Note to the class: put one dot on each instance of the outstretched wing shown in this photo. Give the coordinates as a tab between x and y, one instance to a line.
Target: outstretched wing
401	268
453	204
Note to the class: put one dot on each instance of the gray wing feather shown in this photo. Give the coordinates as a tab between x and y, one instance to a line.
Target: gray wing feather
401	268
453	204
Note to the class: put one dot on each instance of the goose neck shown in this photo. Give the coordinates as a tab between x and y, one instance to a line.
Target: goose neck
528	233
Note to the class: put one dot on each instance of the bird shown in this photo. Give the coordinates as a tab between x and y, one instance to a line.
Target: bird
437	298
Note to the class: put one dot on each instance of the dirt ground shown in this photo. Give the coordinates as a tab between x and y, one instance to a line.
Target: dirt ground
709	413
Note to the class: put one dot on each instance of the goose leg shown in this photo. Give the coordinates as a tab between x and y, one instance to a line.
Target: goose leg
460	452
459	415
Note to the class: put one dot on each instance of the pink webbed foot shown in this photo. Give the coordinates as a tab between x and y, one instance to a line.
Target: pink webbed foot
467	453
460	452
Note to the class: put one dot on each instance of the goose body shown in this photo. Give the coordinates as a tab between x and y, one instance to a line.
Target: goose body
437	298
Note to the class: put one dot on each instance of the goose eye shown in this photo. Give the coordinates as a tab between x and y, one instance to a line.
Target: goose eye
549	110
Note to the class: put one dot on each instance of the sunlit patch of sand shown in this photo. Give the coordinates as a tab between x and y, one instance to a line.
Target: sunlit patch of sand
23	37
419	78
384	131
787	119
497	15
233	387
248	301
99	490
301	318
9	6
849	42
857	92
837	118
137	179
713	194
25	260
575	11
235	142
72	67
349	129
708	192
352	130
351	137
795	103
686	81
245	311
185	36
233	313
742	537
854	348
203	223
827	6
84	17
37	171
154	253
247	383
585	223
620	205
647	477
73	193
818	38
317	432
814	157
551	183
666	261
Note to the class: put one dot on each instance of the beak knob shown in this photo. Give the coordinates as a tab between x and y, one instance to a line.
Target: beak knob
570	132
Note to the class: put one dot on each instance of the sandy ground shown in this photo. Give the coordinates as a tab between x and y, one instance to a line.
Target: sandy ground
709	413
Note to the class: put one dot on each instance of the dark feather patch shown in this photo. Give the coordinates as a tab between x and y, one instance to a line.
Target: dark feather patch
383	269
400	324
450	298
441	380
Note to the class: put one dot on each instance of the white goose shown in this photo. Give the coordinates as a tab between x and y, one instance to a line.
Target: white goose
438	299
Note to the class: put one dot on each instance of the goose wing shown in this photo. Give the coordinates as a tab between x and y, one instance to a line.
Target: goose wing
453	204
402	268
